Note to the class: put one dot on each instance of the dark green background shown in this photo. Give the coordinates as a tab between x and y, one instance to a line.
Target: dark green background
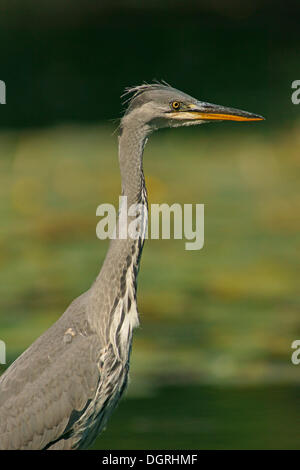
71	60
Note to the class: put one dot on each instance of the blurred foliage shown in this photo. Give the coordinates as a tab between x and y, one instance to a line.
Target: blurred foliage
227	313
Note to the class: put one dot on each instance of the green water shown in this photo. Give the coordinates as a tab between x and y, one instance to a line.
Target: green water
196	417
225	315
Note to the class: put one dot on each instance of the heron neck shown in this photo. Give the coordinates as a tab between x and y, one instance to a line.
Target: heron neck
117	278
131	147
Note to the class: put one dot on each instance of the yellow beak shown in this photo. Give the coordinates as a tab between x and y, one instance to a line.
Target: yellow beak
213	112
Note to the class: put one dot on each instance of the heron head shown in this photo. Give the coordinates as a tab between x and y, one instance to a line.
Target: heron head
158	105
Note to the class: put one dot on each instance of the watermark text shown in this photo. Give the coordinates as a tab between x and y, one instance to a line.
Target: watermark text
2	352
296	354
165	222
296	94
2	92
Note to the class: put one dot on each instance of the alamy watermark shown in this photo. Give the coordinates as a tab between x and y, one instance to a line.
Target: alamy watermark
296	94
296	354
188	222
2	92
2	352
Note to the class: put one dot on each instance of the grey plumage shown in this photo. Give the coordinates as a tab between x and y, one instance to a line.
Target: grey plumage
60	392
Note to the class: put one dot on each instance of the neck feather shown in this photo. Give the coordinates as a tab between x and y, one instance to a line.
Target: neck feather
131	147
116	281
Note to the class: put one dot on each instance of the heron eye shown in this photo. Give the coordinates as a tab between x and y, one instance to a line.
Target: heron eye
175	105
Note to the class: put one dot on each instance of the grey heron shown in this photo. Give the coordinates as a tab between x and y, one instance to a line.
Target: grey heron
61	391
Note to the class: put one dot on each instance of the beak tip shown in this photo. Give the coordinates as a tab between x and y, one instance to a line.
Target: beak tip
211	112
